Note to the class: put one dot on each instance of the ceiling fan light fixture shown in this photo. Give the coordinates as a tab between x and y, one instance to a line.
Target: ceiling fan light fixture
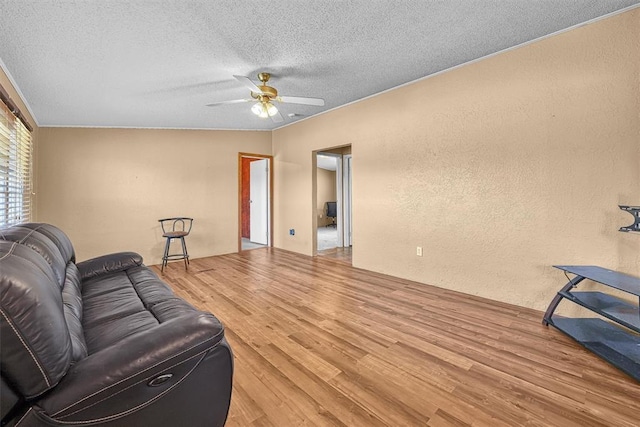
264	96
264	109
271	109
259	110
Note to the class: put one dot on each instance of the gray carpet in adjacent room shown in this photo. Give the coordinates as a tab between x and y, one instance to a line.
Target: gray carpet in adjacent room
327	238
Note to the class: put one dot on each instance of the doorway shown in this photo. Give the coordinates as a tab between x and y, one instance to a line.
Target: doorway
333	222
255	201
329	223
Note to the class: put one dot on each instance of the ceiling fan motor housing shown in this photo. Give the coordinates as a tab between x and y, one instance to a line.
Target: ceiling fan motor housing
267	91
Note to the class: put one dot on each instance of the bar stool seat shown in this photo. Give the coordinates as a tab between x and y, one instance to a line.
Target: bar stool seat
175	228
175	234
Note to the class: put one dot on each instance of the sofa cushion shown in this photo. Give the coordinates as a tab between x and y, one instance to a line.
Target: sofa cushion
40	243
119	304
101	307
103	335
57	236
39	238
36	348
106	264
171	309
73	312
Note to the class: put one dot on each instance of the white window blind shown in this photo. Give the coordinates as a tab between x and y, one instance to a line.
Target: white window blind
15	169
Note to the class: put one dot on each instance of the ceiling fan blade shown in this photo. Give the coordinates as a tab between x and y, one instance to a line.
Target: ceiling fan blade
318	102
233	101
248	83
277	118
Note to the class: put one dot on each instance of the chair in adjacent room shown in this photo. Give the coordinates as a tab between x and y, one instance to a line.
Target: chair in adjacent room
175	228
332	209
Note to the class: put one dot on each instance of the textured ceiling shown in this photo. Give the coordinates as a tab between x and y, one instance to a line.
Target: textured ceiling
158	63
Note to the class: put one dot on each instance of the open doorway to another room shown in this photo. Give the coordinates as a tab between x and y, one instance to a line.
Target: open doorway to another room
255	201
333	222
327	201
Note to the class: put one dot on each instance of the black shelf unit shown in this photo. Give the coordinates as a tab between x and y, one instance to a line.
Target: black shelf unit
618	340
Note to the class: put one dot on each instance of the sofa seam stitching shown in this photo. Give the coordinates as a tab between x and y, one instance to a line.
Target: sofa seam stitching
33	230
24	416
27	347
10	251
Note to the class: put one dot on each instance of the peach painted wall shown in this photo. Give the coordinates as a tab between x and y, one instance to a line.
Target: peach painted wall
498	169
107	188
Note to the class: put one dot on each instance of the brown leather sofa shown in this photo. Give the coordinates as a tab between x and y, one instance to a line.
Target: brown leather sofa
102	342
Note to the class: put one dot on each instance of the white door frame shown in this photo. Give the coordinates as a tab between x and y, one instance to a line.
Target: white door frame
343	228
347	211
339	198
339	204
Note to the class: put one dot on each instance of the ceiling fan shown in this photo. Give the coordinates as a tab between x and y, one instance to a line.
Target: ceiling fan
264	97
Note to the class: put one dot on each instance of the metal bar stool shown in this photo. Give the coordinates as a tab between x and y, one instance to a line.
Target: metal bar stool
175	228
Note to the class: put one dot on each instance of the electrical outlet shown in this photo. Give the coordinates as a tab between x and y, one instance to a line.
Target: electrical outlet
419	250
292	232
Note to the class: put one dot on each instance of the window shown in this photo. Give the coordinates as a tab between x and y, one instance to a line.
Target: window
15	169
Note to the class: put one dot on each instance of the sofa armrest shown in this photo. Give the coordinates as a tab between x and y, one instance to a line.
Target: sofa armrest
118	379
111	263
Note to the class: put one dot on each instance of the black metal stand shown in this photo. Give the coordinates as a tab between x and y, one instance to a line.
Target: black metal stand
617	341
635	211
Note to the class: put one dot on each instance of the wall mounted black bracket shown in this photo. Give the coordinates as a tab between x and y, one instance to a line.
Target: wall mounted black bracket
635	211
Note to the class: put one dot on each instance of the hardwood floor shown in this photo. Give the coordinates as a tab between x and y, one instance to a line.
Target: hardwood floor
342	255
319	343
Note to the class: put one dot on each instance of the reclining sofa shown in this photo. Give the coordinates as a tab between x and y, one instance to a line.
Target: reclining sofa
102	342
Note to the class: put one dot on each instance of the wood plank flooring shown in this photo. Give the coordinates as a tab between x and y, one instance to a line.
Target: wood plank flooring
342	255
320	343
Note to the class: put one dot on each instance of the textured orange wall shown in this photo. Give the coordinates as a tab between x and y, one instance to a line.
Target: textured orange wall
107	188
498	169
